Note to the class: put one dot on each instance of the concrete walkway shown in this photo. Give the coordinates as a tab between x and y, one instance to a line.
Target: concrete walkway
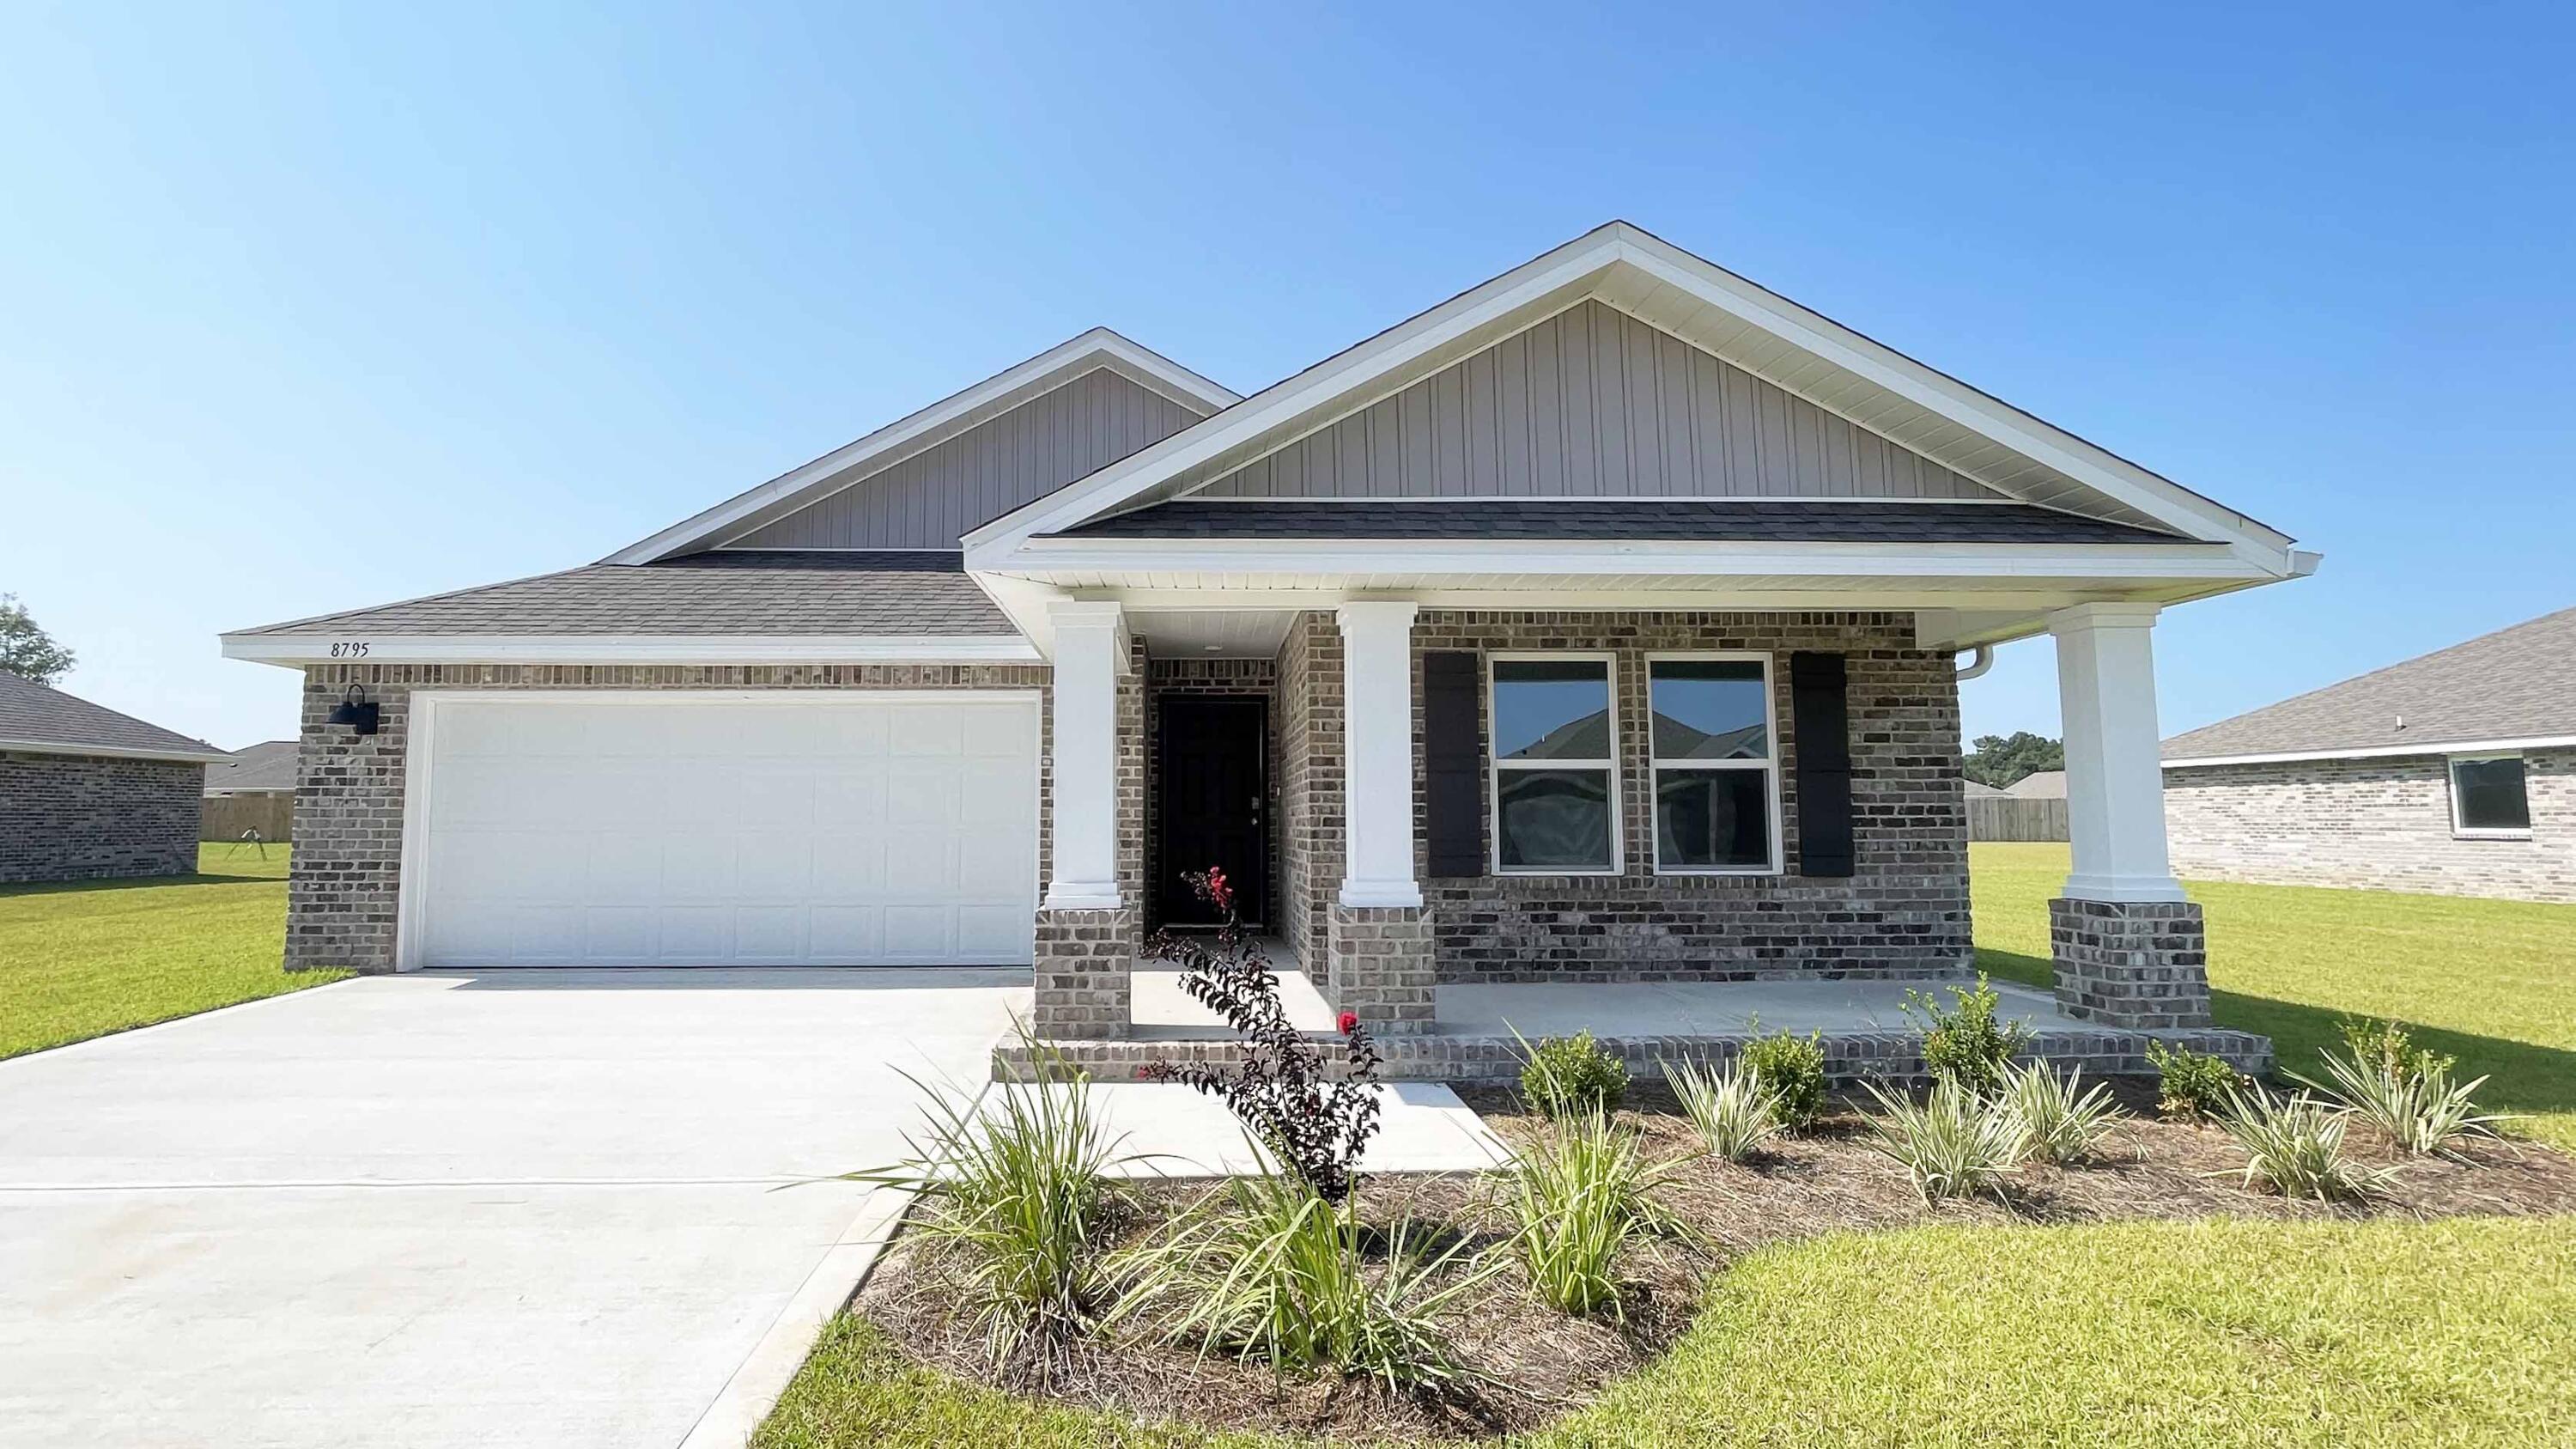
516	1208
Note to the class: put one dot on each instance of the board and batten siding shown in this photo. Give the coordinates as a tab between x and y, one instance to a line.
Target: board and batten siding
1593	403
931	499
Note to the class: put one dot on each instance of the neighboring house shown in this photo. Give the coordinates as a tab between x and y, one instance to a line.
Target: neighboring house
2453	773
1600	623
2039	785
87	793
1980	790
266	768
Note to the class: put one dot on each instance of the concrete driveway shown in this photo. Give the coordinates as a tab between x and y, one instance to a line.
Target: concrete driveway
508	1208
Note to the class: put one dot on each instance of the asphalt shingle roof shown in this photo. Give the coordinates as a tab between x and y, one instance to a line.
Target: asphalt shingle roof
2516	683
268	765
32	714
748	591
1760	520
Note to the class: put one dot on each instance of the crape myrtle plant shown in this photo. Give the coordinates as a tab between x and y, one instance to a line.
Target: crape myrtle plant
1278	1091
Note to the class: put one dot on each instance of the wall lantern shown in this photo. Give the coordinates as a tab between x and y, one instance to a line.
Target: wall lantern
356	711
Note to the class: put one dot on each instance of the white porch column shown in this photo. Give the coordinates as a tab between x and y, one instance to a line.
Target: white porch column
1090	653
1377	751
2115	804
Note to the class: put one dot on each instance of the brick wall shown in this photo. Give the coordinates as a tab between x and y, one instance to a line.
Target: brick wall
1904	911
349	809
1224	678
84	817
2380	824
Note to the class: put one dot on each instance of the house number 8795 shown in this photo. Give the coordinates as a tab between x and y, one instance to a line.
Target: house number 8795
352	649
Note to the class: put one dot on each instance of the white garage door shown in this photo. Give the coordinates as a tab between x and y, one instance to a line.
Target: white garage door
674	829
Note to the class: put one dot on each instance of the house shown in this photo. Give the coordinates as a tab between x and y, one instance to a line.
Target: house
2039	785
87	793
1600	624
266	768
1980	790
2453	773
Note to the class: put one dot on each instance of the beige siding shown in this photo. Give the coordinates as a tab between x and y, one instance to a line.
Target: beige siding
1593	403
931	498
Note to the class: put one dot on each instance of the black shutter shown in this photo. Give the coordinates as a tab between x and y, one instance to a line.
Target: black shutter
1824	764
1453	766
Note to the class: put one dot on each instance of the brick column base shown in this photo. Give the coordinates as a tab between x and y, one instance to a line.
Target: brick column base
1085	968
1379	965
2138	965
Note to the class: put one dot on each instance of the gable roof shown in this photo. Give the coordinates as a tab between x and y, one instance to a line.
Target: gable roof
2516	686
1838	520
812	606
268	765
41	720
2039	785
1839	370
946	419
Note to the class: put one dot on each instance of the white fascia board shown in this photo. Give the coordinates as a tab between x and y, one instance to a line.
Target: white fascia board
1054	367
2373	752
1609	557
302	649
112	752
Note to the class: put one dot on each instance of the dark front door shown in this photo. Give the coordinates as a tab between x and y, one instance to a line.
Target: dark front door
1214	795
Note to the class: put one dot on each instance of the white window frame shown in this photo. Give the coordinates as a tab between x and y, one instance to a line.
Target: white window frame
1495	764
2451	781
1769	764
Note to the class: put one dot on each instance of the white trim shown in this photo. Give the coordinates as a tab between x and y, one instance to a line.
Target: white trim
1495	764
1610	263
1195	496
299	649
2451	780
1613	557
1091	652
1377	753
1073	358
1769	764
2368	752
411	871
113	752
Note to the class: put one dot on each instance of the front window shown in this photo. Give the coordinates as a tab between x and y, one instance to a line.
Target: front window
1555	780
1717	794
2487	795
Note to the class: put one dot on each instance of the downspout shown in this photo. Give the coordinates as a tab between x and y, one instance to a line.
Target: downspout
1983	659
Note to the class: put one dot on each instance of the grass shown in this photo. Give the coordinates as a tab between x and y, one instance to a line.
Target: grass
2492	983
2146	1334
86	958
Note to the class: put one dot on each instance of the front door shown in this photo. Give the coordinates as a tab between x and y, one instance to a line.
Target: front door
1211	780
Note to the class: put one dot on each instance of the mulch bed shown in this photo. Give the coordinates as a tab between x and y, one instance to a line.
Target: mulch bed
1536	1364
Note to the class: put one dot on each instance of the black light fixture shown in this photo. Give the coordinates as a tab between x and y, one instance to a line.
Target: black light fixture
356	711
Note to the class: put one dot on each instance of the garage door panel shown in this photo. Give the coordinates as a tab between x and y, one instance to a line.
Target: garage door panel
656	828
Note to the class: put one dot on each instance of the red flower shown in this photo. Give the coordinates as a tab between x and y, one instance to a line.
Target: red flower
1349	1023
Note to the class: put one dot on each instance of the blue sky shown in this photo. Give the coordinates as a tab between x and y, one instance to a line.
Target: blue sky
305	309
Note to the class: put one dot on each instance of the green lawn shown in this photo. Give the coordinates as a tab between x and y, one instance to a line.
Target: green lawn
2491	982
2219	1332
90	957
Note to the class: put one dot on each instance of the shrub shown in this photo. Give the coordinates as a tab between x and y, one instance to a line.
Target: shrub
1277	1274
1578	1195
1569	1076
2409	1096
2060	1121
2387	1049
1734	1113
1951	1144
1966	1043
2191	1086
1013	1186
1317	1129
1792	1070
2295	1146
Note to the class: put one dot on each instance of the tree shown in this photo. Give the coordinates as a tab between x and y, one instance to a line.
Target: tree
1999	761
26	650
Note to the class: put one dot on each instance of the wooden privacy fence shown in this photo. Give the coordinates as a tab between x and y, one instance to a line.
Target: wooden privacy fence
227	816
2008	817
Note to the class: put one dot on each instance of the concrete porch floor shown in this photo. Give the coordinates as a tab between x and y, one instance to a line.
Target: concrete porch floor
1715	1008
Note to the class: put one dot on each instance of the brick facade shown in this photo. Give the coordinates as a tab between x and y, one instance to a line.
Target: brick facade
349	809
1308	837
2380	824
1380	964
89	817
2137	965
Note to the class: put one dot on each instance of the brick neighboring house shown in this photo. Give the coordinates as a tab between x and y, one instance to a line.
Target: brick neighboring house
266	768
87	793
2453	773
1599	624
